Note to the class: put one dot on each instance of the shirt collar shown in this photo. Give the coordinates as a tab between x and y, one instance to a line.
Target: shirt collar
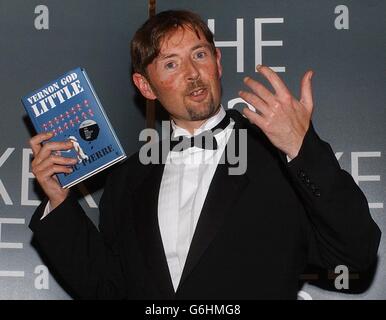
207	125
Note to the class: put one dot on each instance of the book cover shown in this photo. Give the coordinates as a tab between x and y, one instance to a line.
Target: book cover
71	110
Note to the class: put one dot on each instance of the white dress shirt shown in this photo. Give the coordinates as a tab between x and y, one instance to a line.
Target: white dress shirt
184	186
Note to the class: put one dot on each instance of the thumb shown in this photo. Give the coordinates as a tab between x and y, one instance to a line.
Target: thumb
306	90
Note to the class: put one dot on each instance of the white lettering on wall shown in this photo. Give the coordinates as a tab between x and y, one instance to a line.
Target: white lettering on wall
42	280
233	102
26	175
12	274
3	192
341	281
260	43
42	20
338	155
238	44
342	20
10	245
355	172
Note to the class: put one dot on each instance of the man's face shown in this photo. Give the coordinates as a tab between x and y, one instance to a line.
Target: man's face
185	78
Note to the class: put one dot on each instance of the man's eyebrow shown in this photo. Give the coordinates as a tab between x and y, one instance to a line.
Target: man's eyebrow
202	45
173	55
166	56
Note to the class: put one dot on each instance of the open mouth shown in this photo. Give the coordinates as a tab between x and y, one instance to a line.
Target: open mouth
198	94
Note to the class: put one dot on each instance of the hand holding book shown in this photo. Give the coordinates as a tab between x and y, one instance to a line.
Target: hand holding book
76	138
46	164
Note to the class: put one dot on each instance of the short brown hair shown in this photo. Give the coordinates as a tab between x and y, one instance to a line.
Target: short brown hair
145	45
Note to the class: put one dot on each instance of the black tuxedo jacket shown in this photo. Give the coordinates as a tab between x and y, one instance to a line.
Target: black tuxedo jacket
255	235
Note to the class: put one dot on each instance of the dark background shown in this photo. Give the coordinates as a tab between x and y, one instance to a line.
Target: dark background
349	93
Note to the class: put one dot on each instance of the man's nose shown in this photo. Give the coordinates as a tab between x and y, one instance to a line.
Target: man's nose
192	72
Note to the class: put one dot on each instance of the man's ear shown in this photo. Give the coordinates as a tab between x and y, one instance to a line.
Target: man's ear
143	86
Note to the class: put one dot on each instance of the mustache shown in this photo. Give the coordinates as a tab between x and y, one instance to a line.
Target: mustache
194	85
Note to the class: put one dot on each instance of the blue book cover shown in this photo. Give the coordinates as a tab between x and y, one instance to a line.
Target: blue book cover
70	109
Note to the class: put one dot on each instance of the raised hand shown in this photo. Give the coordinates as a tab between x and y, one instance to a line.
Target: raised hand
46	164
284	119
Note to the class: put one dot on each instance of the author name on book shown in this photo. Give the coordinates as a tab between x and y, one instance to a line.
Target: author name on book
91	158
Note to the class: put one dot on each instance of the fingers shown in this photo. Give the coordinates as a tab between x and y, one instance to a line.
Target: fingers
306	90
55	160
282	95
51	165
50	147
255	101
277	84
44	175
35	141
254	118
261	91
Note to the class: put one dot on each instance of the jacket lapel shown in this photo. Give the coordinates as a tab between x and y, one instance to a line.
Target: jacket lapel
224	190
147	228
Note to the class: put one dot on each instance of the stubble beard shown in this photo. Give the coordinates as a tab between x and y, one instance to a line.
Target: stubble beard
202	112
196	114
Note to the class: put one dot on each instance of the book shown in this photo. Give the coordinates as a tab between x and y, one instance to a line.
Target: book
70	109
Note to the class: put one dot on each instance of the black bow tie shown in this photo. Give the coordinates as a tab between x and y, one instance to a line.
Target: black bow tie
204	140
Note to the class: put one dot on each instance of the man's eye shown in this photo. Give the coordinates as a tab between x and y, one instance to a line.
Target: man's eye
170	65
200	55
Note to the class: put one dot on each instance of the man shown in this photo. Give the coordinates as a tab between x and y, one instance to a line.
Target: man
188	230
